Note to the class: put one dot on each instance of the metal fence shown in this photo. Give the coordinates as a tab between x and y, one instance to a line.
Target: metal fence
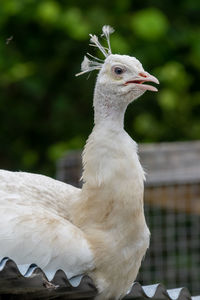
172	209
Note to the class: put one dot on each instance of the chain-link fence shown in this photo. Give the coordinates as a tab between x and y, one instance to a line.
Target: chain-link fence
174	254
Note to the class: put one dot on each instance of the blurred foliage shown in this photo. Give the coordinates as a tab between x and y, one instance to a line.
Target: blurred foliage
46	111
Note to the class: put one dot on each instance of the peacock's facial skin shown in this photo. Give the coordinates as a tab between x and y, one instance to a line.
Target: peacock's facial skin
124	74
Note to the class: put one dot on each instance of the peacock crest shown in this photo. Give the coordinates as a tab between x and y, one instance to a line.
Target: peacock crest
91	62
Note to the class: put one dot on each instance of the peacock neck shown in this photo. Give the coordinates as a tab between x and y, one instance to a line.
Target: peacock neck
108	110
112	174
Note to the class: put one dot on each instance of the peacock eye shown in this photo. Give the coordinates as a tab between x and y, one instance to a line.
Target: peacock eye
118	70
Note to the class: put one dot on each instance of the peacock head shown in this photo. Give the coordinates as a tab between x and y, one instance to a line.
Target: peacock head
119	75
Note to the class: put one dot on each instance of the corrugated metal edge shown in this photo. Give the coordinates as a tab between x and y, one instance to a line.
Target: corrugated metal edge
35	283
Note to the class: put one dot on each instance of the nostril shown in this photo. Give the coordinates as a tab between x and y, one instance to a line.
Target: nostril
142	75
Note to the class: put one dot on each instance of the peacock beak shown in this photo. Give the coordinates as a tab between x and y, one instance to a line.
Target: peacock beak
144	77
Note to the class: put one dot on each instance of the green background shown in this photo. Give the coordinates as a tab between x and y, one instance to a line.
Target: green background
45	110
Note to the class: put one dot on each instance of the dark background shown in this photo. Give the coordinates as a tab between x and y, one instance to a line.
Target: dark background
45	110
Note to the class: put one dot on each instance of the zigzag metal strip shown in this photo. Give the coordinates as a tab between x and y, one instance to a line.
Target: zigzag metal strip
35	284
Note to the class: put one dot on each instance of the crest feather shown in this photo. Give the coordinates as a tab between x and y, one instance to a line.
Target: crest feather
107	31
89	65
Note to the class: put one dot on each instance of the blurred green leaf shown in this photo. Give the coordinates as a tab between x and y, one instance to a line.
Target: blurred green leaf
168	99
174	74
30	158
18	72
57	150
195	51
11	7
75	25
119	44
149	24
147	127
48	11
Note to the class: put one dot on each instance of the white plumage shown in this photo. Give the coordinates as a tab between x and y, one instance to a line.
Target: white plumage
99	229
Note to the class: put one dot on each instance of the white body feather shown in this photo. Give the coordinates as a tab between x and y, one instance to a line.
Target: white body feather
99	230
111	210
35	224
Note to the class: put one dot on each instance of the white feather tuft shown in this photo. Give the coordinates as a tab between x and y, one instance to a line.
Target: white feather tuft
107	31
96	63
89	65
95	42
